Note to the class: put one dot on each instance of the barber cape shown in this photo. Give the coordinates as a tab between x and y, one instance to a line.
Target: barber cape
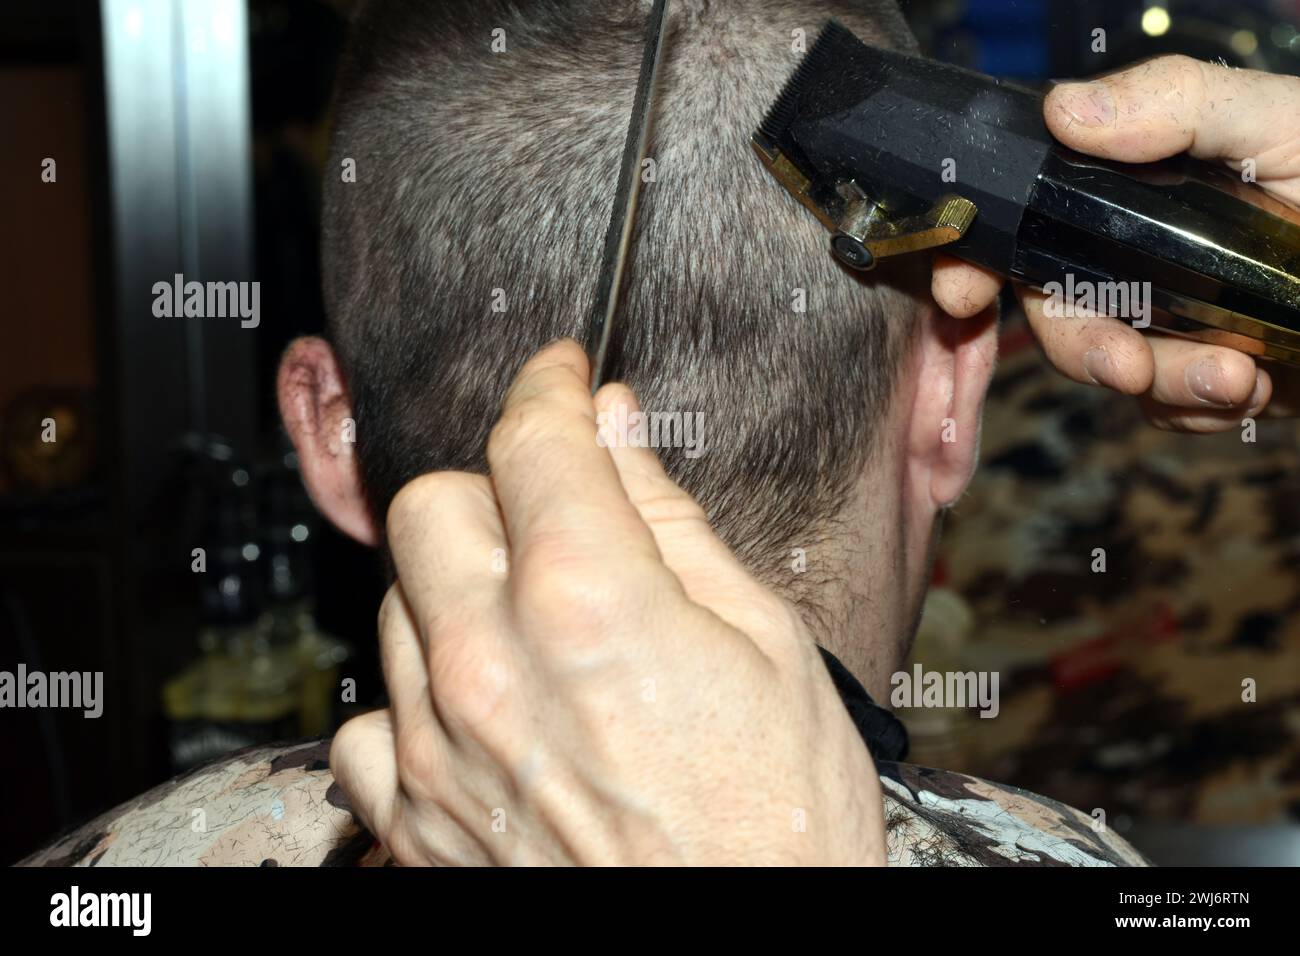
941	818
279	806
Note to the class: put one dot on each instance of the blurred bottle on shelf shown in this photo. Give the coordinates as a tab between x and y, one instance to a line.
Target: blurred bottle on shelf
294	637
265	671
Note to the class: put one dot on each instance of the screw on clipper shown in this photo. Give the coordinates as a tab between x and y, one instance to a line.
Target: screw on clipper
866	234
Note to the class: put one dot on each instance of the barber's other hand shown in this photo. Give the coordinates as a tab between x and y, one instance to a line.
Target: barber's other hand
581	672
1148	112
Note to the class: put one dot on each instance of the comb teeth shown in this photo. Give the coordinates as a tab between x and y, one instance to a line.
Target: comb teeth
783	111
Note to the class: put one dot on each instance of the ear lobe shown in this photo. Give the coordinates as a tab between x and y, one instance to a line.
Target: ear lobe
958	357
317	414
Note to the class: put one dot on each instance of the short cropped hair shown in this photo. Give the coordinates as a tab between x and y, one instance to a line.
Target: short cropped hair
484	181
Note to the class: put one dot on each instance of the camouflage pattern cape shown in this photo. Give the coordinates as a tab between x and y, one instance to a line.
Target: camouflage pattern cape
280	806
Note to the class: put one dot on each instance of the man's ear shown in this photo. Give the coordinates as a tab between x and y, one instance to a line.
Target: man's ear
317	413
956	359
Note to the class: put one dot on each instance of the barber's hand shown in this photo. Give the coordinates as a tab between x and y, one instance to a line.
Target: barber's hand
1148	112
623	692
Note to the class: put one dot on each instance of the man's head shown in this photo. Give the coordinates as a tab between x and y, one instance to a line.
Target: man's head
485	138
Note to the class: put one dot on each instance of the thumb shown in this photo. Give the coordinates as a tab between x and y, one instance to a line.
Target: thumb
363	758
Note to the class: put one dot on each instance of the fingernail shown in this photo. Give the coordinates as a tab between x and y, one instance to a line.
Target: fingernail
1087	103
1257	396
1205	380
612	395
1096	362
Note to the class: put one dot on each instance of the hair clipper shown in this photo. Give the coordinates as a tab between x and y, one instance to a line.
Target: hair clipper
895	153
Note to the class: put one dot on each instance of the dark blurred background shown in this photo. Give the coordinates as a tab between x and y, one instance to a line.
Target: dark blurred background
189	137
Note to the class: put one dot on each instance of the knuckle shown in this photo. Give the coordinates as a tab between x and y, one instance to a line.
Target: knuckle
559	594
1187	74
522	426
425	497
414	498
419	762
540	421
417	493
344	746
470	684
353	739
1181	65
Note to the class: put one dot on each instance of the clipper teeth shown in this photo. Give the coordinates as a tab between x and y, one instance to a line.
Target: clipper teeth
783	111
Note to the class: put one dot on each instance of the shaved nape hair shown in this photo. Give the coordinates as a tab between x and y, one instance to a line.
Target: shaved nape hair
484	181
